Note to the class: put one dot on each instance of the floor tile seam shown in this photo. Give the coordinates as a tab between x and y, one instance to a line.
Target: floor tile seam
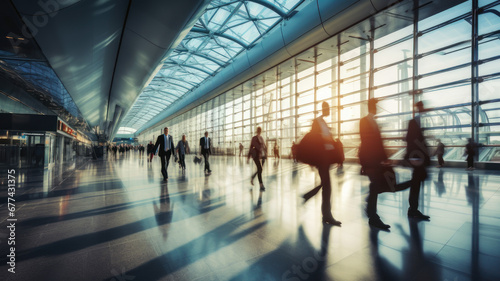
433	209
487	201
234	262
468	274
468	236
423	270
213	273
380	242
452	211
69	175
364	248
448	245
8	212
441	246
282	171
456	269
228	267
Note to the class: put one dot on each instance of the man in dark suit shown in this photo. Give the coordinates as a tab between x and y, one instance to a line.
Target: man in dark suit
166	147
417	154
320	127
372	156
206	148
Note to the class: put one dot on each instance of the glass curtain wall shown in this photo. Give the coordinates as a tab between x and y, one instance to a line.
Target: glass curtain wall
414	51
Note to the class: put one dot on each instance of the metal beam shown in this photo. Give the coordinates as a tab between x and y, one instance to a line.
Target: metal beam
188	66
271	7
218	34
186	51
177	79
164	79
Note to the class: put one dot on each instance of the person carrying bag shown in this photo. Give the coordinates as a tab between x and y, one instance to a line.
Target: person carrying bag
317	149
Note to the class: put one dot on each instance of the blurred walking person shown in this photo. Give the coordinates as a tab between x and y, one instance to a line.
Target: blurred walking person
182	148
294	152
417	154
257	153
372	158
151	151
470	150
439	153
206	150
327	149
276	151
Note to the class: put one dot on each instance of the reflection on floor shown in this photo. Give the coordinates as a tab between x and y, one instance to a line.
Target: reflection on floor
117	220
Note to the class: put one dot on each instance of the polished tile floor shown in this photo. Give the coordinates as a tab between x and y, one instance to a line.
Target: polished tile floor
115	219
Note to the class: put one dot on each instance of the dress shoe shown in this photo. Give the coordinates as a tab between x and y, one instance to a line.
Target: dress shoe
262	188
377	222
417	215
331	221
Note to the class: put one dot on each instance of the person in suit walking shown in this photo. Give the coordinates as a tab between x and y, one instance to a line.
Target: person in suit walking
182	148
320	128
372	157
166	145
417	154
257	152
206	149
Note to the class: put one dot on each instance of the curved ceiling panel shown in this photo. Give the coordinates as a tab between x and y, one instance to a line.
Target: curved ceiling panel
105	51
80	40
153	29
226	28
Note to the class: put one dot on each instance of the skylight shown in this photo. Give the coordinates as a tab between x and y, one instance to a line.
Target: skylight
227	28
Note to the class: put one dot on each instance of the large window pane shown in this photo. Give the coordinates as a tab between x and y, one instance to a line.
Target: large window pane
443	78
450	34
394	53
447	96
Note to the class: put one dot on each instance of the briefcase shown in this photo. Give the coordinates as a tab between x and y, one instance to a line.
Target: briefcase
197	160
383	178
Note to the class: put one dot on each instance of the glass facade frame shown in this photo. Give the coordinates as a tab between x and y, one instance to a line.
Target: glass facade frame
446	59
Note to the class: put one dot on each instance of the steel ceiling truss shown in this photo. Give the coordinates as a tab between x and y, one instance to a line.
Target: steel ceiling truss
227	28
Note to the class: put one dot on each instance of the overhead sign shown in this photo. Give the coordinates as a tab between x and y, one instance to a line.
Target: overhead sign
61	126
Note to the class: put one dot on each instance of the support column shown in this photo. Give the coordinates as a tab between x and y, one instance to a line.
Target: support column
475	76
415	89
60	150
